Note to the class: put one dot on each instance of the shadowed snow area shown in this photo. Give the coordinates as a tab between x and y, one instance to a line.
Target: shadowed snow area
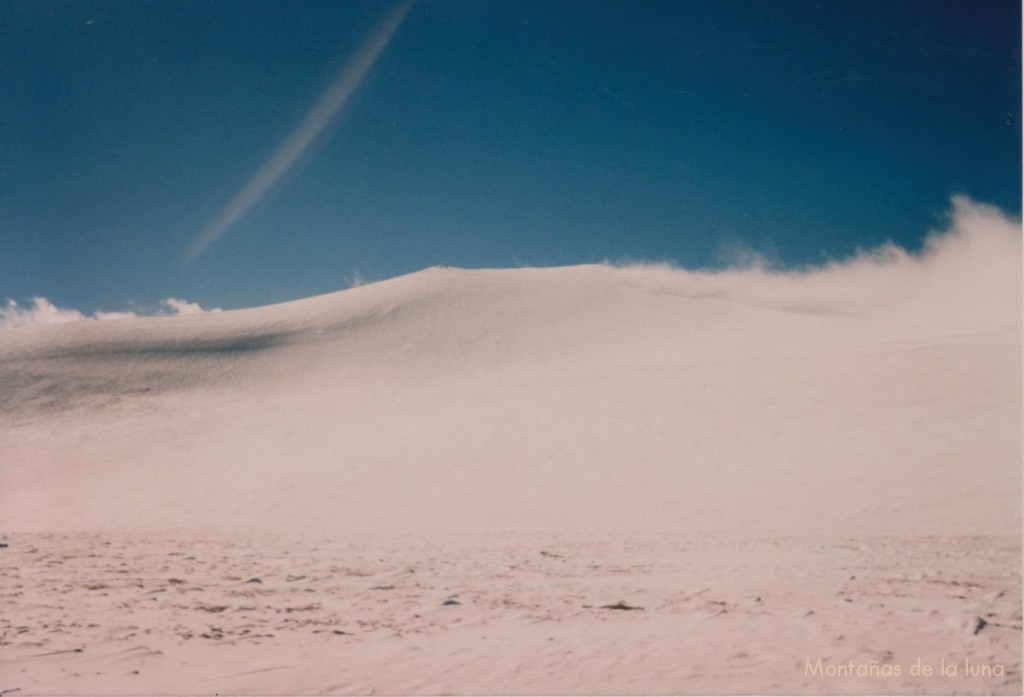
878	394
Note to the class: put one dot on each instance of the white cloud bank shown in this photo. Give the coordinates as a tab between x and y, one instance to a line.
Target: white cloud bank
41	311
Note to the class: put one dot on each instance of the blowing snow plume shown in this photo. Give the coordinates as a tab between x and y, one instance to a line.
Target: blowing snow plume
966	276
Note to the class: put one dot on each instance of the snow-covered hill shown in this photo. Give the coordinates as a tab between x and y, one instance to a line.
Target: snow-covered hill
882	393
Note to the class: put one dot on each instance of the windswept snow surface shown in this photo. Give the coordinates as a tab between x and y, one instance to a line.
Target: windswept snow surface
831	455
874	395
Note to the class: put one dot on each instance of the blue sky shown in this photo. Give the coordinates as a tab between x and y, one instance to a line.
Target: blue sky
486	134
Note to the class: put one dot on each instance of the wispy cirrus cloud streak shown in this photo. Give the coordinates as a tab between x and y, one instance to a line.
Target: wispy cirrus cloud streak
286	155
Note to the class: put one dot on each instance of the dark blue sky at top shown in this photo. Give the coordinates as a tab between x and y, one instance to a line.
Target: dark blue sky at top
489	134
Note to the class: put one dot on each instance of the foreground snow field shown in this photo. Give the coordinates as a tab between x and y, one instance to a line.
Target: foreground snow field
507	614
777	468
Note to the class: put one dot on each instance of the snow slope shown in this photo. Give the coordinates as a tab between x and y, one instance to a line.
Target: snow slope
879	394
